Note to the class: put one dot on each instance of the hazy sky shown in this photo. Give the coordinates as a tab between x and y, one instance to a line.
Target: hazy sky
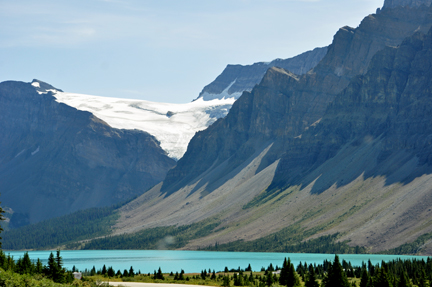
159	50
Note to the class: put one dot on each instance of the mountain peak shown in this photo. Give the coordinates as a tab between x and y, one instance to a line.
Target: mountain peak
42	87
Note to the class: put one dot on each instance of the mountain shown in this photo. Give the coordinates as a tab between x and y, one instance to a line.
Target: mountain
174	125
343	149
55	159
235	79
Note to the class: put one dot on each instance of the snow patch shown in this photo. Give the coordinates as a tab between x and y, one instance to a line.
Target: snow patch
46	91
224	95
173	125
35	152
35	84
20	153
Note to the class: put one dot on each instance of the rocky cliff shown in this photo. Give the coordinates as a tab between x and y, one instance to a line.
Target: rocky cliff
55	159
235	79
344	148
283	105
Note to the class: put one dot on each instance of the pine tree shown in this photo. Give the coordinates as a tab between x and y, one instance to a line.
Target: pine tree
404	280
292	278
283	278
110	272
422	280
39	266
336	277
364	282
381	278
226	281
52	267
159	274
311	279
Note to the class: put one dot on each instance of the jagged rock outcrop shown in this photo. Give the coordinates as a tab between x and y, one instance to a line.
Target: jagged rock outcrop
345	148
55	159
235	79
283	105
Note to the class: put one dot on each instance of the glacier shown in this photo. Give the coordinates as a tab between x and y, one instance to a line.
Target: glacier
173	125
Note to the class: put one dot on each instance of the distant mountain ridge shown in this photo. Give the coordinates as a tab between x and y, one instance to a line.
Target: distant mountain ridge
235	79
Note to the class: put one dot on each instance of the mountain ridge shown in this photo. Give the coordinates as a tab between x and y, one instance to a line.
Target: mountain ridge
264	160
53	155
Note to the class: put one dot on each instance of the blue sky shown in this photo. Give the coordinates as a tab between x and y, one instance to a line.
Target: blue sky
159	50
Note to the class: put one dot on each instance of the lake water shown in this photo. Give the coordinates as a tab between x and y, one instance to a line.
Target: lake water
192	261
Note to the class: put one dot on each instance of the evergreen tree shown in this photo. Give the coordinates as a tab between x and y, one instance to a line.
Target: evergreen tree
269	279
422	280
110	272
132	272
24	265
159	274
52	267
104	270
404	280
381	278
311	279
39	267
335	275
292	277
226	281
364	282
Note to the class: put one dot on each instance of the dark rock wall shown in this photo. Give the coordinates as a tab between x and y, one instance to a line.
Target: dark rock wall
55	159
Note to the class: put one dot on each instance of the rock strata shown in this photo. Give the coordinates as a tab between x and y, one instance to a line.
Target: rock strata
284	105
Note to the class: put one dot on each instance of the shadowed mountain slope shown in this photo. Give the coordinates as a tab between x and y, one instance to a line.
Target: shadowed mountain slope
55	159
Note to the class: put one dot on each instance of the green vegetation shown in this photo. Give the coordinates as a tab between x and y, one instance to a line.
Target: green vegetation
83	224
411	248
24	272
170	237
266	196
290	239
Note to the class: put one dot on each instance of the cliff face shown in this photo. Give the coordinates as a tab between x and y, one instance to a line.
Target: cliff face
55	159
236	79
345	148
283	105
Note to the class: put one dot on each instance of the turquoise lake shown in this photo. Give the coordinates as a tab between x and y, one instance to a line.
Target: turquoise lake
192	261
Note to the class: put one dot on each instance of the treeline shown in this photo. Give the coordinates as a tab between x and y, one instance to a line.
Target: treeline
396	273
53	271
80	225
277	243
169	237
414	247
